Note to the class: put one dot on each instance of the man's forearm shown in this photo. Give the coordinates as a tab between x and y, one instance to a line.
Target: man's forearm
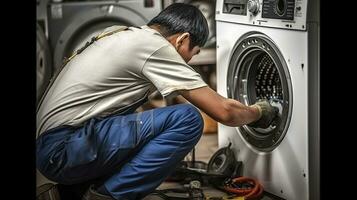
226	111
240	114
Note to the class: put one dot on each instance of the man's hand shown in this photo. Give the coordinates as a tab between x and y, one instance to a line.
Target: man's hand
267	114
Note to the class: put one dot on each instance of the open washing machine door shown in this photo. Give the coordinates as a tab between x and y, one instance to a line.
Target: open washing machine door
257	70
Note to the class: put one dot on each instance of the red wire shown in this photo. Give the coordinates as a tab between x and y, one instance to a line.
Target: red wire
250	193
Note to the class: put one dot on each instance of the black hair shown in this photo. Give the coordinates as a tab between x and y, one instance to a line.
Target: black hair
180	18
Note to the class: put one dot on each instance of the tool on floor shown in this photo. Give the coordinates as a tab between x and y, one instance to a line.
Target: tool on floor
230	197
178	194
223	172
224	162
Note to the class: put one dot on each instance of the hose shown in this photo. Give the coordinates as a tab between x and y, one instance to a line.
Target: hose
248	188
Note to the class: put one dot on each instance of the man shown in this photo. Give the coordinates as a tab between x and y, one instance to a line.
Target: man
86	122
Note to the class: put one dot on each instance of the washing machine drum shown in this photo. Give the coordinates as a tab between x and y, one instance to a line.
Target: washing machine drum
257	70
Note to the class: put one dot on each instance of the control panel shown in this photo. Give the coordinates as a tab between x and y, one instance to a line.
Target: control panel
278	9
287	14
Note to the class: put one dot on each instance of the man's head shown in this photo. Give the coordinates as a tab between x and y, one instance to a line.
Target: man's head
184	26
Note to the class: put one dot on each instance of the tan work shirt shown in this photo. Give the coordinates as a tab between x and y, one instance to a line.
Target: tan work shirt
113	75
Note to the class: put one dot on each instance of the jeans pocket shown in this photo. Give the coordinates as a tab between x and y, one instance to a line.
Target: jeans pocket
81	147
80	151
129	135
81	155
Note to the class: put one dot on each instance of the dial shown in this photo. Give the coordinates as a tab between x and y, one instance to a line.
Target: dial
280	7
253	6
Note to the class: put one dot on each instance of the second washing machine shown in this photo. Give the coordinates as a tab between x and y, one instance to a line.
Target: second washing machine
72	23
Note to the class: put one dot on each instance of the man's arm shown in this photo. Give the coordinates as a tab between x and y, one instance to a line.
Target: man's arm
226	111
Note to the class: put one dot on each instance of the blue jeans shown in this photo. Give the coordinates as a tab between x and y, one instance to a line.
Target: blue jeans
135	152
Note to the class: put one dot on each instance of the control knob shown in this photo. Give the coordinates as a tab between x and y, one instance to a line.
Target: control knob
253	6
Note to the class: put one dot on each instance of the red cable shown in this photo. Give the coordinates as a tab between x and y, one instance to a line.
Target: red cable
250	193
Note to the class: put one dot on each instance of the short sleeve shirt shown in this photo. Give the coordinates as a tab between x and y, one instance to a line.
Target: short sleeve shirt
114	75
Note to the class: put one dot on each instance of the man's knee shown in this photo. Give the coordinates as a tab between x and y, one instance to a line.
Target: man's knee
191	117
182	118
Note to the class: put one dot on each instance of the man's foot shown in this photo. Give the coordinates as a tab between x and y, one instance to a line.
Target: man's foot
92	194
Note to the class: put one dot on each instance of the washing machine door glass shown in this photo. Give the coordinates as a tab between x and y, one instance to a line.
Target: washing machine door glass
257	70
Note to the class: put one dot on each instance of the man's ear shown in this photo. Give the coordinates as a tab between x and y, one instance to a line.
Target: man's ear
180	39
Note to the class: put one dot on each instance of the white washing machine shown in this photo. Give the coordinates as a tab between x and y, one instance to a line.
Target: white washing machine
270	49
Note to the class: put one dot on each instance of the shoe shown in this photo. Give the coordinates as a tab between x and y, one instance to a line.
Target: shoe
92	194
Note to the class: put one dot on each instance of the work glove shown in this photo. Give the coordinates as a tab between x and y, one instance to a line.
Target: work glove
268	113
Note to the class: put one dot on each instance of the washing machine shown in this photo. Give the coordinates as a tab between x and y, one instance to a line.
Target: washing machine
269	49
71	23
